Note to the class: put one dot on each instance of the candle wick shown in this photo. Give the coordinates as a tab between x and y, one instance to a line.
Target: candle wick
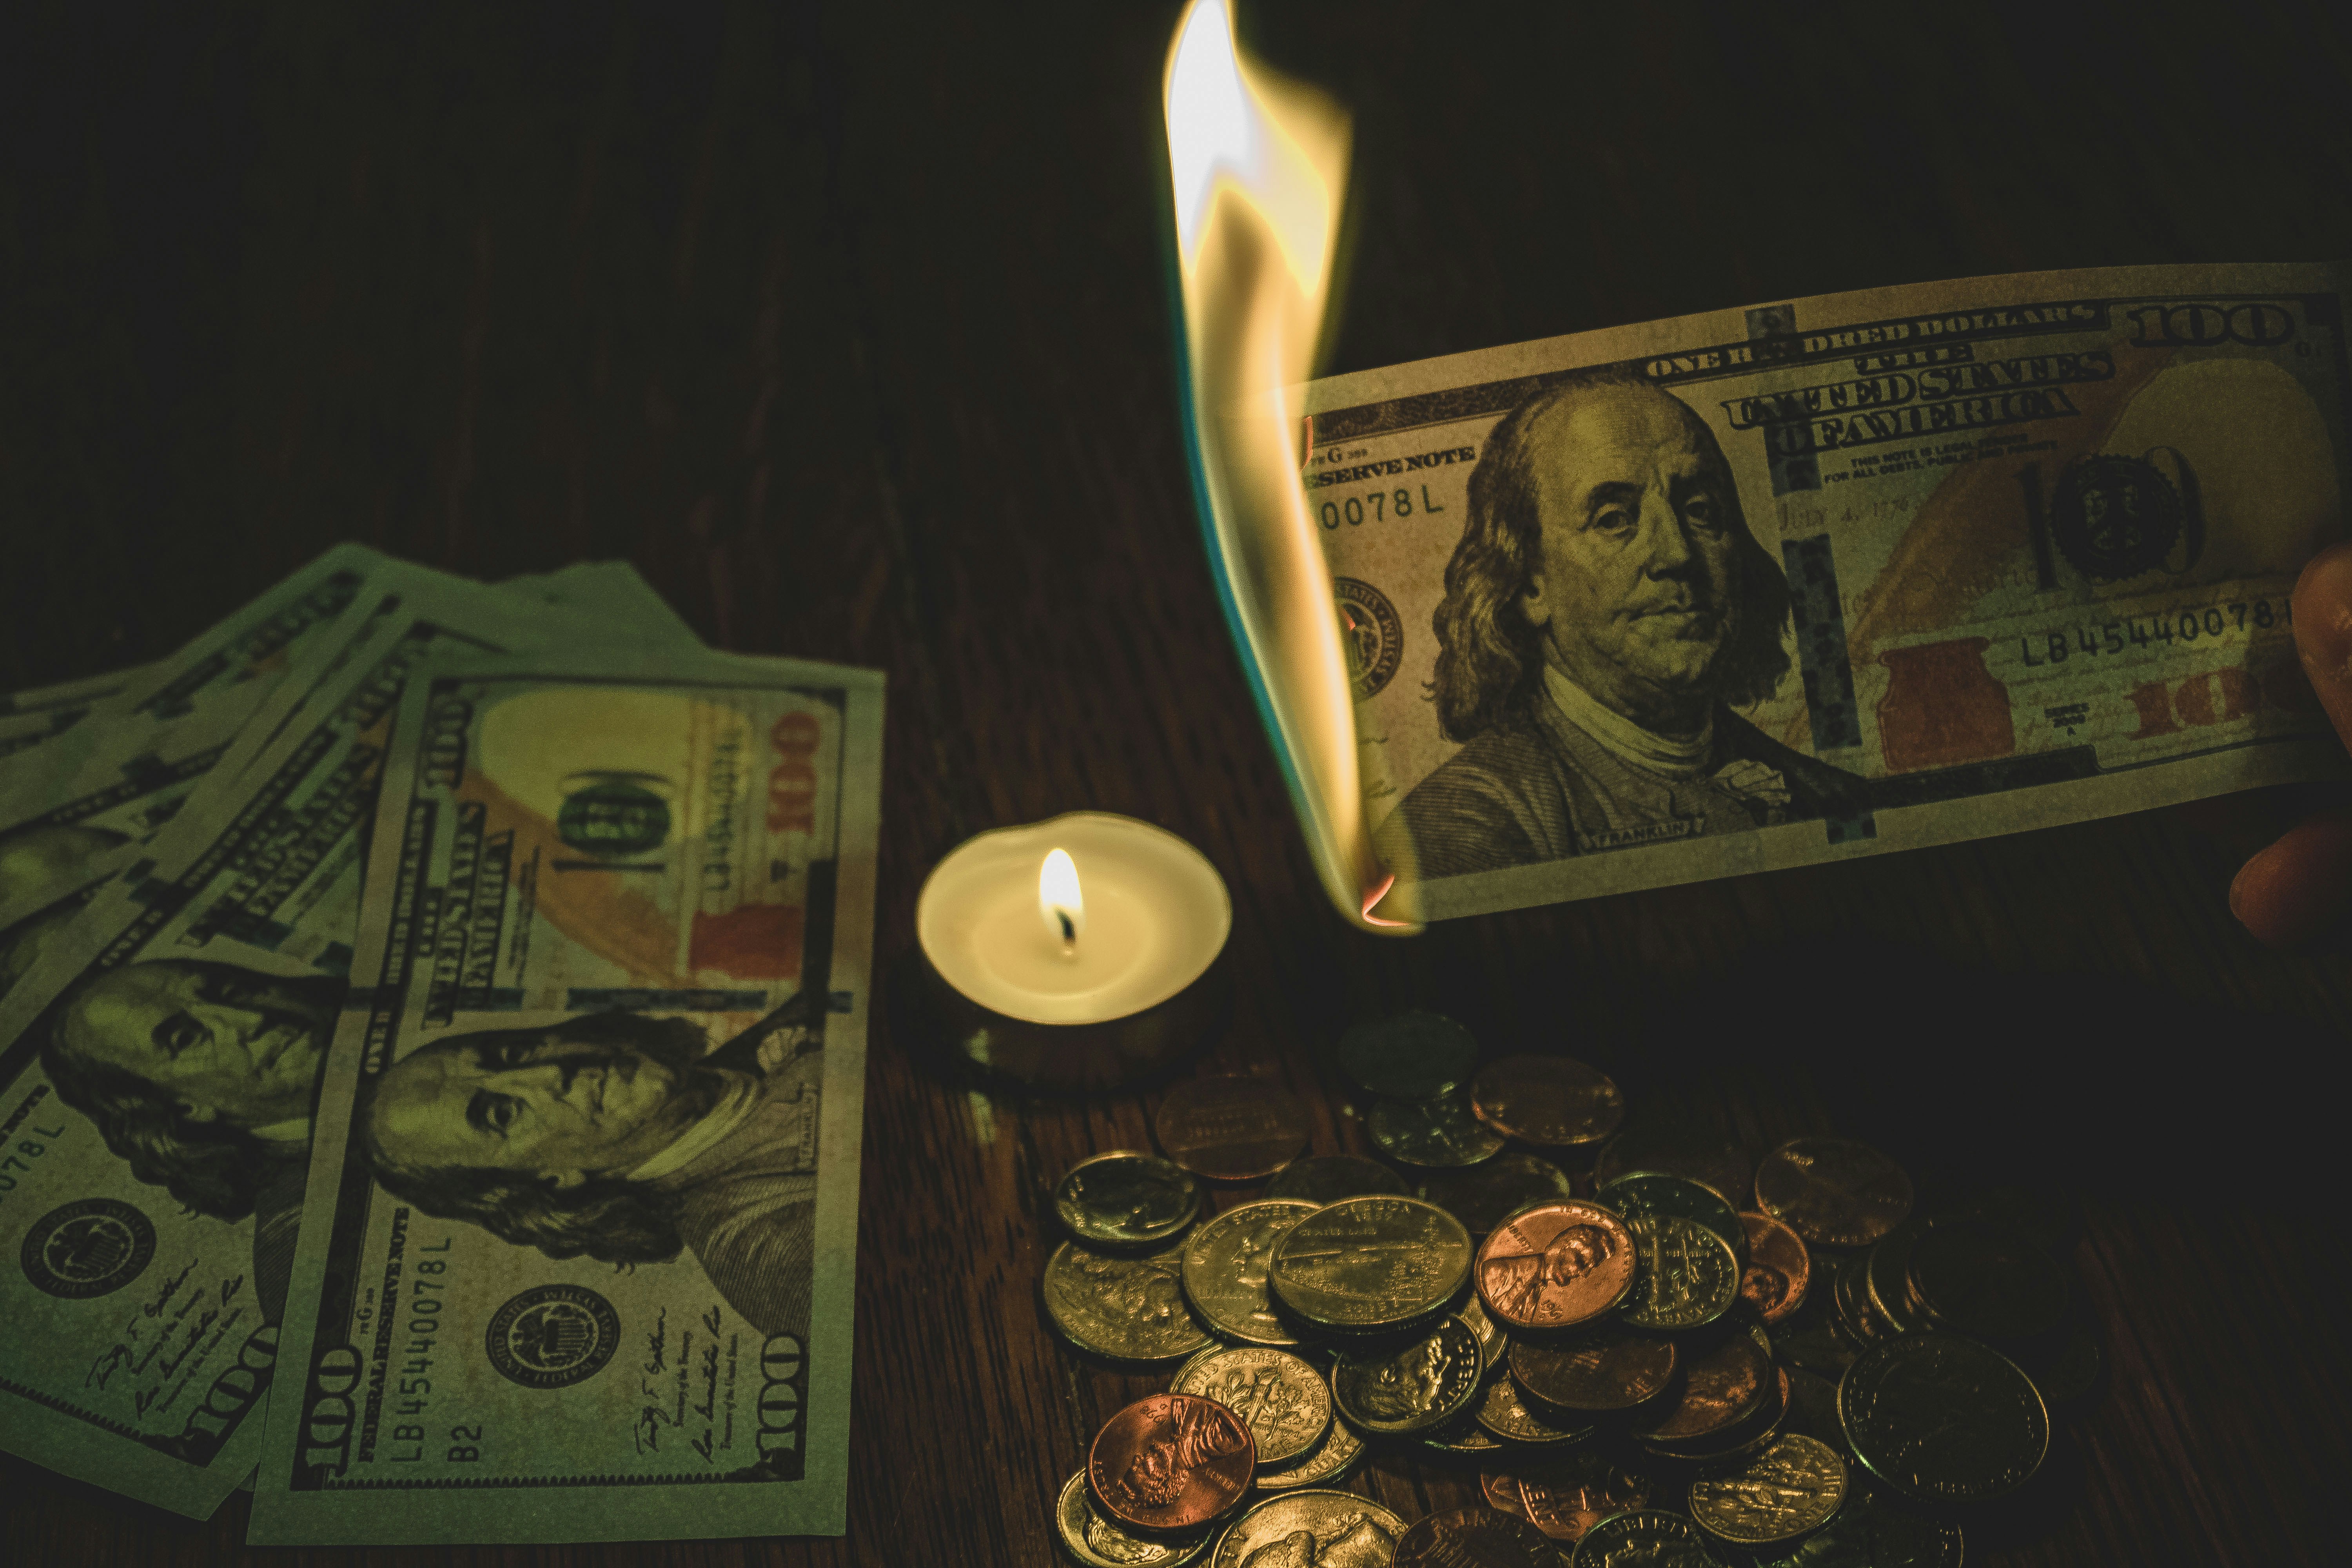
1069	932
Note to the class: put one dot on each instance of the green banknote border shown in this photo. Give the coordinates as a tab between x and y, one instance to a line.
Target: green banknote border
549	1510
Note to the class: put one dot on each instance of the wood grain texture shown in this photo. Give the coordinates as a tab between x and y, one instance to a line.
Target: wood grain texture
848	324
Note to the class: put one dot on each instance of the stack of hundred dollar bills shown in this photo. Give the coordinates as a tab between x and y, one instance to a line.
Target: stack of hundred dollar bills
432	1032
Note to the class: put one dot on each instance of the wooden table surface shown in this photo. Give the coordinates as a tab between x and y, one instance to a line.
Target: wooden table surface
849	325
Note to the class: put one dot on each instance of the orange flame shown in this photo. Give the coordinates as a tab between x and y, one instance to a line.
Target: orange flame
1258	167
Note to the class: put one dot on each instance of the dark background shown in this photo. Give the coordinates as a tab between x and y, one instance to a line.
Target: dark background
849	323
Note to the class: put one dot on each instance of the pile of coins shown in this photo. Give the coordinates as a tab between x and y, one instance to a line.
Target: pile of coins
1641	1367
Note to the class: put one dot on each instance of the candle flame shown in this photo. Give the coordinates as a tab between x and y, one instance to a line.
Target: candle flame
1059	902
1258	165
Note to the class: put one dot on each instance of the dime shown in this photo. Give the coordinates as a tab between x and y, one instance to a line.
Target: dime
1557	1265
1502	1489
1607	1368
1973	1279
1328	1178
1679	1148
1313	1529
1170	1461
1332	1458
1553	1100
1943	1418
1502	1412
1638	1192
1417	1054
1721	1388
1126	1199
1474	1538
1440	1132
1371	1263
1230	1128
1482	1196
1565	1501
1098	1540
1779	1268
1651	1537
1224	1268
1794	1486
1279	1397
1686	1277
1415	1389
1833	1190
1128	1308
1871	1532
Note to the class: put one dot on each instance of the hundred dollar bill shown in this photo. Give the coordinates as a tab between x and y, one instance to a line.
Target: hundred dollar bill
1770	587
70	832
576	1259
28	717
157	1068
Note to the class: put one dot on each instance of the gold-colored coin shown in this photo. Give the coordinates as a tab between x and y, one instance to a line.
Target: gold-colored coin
1416	1389
1441	1133
1099	1541
1230	1128
1225	1265
1556	1102
1371	1263
1332	1458
1314	1528
1687	1276
1459	1439
1493	1342
1126	1199
1281	1399
1721	1387
1794	1486
1128	1308
1502	1412
1833	1192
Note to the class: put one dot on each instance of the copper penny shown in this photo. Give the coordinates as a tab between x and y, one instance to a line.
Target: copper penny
1474	1538
1777	1270
1556	1265
1230	1128
1172	1461
1556	1102
1605	1370
1568	1499
1743	1438
1502	1489
1721	1388
1679	1148
1833	1192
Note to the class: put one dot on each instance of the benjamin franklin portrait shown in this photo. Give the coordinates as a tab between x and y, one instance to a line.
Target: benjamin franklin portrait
1605	611
622	1137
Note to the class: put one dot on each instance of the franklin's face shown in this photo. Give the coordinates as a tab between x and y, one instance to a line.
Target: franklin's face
228	1043
536	1104
1637	594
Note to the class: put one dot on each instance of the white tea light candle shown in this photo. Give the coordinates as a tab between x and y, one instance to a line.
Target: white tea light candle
1070	952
